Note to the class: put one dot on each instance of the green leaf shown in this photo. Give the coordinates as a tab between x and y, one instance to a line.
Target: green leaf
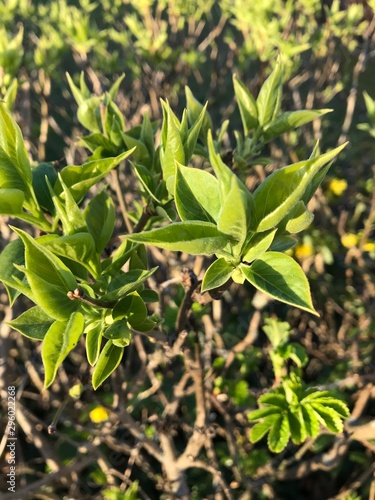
138	259
95	141
132	308
282	278
114	124
247	106
301	219
113	91
196	194
14	160
49	279
315	183
172	149
126	283
237	212
283	243
88	113
280	192
278	332
40	185
328	417
370	104
13	253
79	247
260	429
79	95
194	109
313	394
295	352
238	276
51	297
10	177
268	98
149	295
337	405
60	339
217	274
11	94
67	210
93	342
148	131
195	237
112	266
11	201
291	120
21	286
100	219
137	311
271	398
108	361
193	134
79	179
183	130
278	436
311	420
33	323
257	245
223	173
147	180
147	325
121	308
290	392
297	426
263	413
141	153
118	330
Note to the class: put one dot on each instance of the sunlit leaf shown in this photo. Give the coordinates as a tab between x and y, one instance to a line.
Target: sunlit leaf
60	339
33	323
194	237
282	278
217	274
108	361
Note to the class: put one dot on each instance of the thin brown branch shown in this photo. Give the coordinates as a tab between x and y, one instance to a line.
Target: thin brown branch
121	200
190	283
355	485
358	69
248	340
50	478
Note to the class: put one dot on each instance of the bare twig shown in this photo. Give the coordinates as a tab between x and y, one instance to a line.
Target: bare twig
52	477
359	67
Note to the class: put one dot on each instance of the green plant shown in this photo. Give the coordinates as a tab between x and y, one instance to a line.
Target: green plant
78	291
278	333
295	412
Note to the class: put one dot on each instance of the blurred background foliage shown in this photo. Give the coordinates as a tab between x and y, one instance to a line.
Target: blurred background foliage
328	50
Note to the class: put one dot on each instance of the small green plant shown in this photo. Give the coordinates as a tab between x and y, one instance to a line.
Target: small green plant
295	412
278	333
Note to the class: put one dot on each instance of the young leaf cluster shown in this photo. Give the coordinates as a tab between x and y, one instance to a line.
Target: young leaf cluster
278	333
74	289
262	118
294	412
247	232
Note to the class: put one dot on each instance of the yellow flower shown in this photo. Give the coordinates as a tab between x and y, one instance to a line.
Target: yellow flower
349	240
99	414
337	186
304	250
369	246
